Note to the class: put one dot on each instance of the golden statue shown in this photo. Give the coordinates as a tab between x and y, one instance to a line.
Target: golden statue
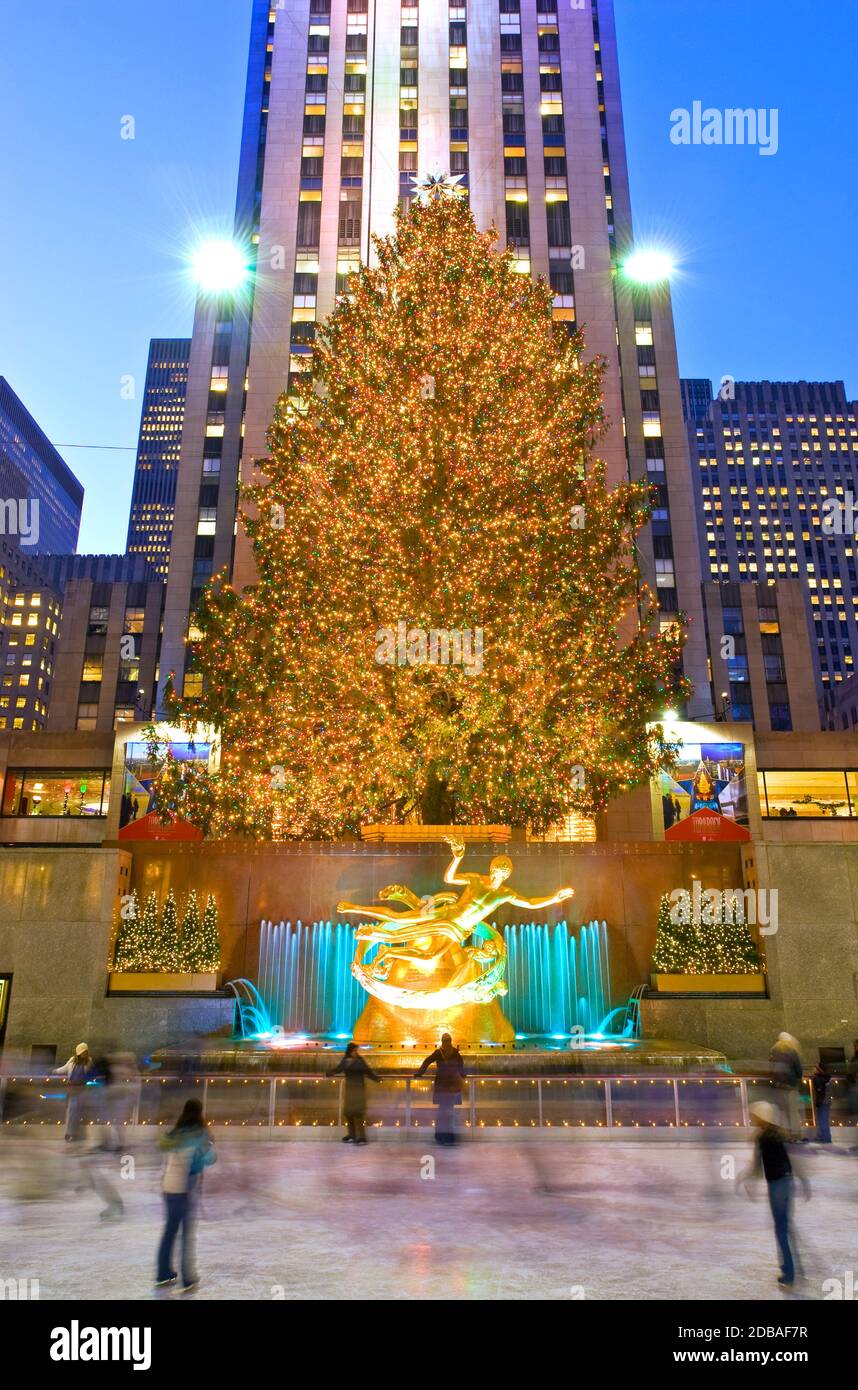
424	977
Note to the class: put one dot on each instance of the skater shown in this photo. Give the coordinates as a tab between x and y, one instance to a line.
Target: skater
189	1150
78	1070
821	1081
787	1078
447	1092
772	1161
355	1070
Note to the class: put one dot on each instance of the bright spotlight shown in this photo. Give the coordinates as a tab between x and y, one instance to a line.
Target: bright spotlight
219	266
669	716
648	267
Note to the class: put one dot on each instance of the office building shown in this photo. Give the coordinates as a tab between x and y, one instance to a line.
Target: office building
40	498
150	523
347	101
775	468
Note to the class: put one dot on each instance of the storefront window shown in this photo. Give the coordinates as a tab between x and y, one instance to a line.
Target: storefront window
51	793
813	795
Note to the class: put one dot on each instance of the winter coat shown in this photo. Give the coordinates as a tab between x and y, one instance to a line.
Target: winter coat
189	1151
356	1071
786	1065
449	1073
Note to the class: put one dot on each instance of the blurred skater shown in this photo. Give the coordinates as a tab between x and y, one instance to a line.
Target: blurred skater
78	1070
356	1070
852	1085
189	1150
772	1161
787	1077
447	1092
821	1082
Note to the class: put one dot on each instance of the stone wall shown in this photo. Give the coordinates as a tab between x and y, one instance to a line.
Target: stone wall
57	908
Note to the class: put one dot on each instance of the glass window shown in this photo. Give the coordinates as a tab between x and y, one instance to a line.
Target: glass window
814	795
51	793
93	668
134	619
98	621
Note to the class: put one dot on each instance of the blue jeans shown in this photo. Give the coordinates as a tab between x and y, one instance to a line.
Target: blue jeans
823	1124
780	1201
180	1216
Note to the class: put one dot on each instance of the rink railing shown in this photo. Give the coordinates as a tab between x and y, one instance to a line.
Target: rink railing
274	1103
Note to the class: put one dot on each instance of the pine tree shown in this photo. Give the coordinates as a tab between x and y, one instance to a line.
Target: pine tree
734	950
207	958
190	936
673	939
127	947
436	472
149	936
167	955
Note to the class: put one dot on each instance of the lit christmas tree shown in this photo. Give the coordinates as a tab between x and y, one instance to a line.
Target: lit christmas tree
732	949
167	950
128	945
448	621
672	941
207	958
149	938
190	936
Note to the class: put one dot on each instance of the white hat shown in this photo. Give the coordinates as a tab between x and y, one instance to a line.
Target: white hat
788	1038
765	1113
80	1049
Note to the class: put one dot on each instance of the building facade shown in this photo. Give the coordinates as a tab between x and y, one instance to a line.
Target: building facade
106	665
775	468
150	522
346	101
40	498
760	655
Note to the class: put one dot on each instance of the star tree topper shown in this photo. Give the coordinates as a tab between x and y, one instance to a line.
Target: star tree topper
437	185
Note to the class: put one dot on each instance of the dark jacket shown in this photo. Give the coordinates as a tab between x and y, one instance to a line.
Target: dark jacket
448	1075
821	1088
355	1070
786	1065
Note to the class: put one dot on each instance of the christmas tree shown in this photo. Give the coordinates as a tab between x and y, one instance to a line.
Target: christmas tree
448	621
190	936
673	939
149	938
167	949
733	950
128	945
207	958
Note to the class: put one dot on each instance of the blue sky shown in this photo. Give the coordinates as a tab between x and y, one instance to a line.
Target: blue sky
95	227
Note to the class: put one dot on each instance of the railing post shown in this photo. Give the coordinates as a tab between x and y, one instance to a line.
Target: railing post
609	1106
135	1109
2	1095
472	1103
539	1100
408	1105
746	1113
675	1103
272	1102
340	1107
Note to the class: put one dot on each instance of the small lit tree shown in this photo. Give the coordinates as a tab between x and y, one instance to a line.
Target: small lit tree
190	936
206	960
167	953
672	941
128	945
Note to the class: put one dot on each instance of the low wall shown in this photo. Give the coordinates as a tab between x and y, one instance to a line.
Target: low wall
57	907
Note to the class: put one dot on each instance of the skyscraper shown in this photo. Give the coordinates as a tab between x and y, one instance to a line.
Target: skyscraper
40	498
346	101
775	467
150	522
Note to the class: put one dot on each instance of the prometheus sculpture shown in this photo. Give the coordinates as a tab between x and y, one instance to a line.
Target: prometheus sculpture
425	975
